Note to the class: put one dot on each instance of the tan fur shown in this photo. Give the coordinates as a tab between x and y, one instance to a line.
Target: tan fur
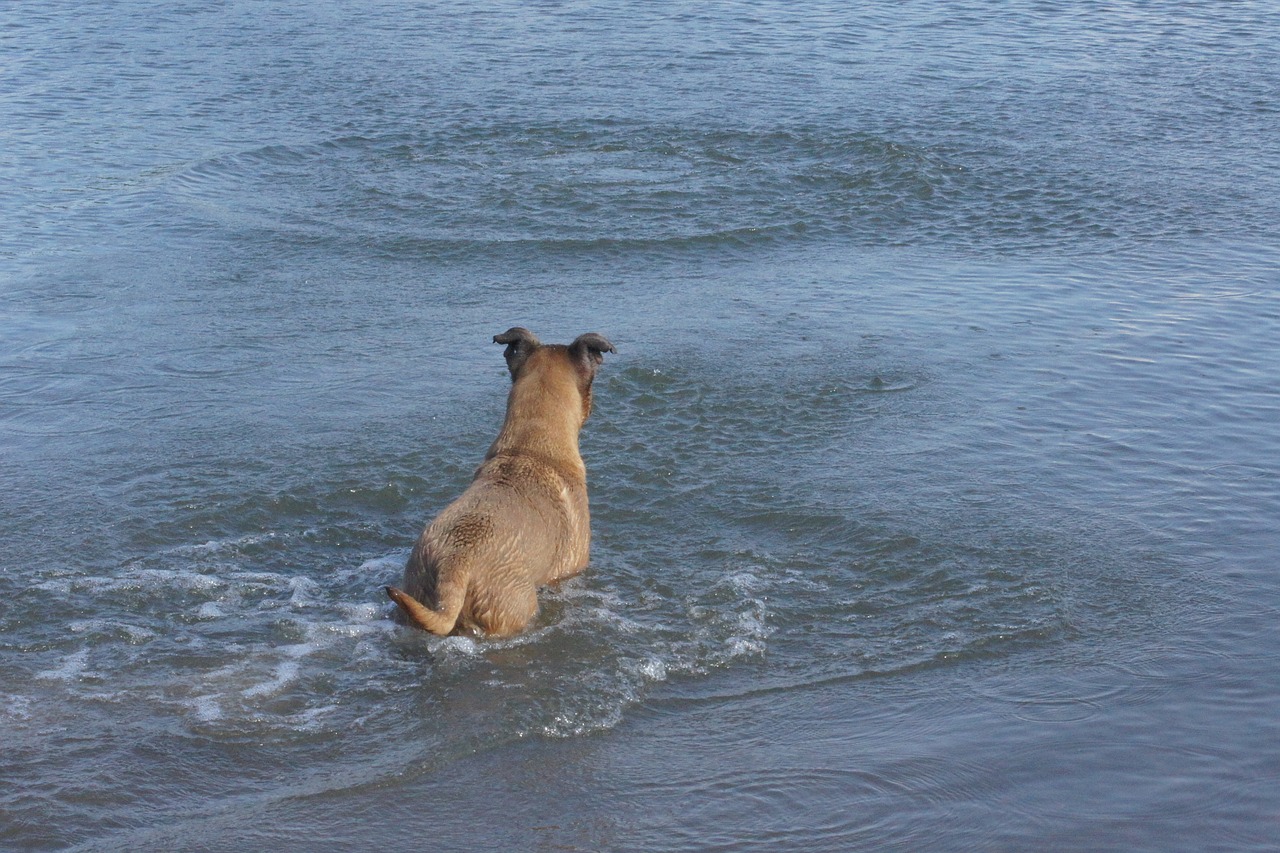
523	522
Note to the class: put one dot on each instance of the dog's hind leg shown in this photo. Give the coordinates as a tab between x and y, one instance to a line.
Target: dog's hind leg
507	611
441	621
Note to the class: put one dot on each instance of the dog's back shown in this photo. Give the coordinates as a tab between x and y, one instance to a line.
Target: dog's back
524	520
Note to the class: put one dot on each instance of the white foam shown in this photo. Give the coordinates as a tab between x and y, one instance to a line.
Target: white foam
301	650
577	723
216	546
607	616
206	708
318	628
73	666
169	577
742	581
365	612
654	669
132	633
303	591
16	707
598	607
310	719
352	629
286	672
388	568
744	646
377	565
753	631
735	628
243	679
136	633
210	610
140	579
461	645
268	579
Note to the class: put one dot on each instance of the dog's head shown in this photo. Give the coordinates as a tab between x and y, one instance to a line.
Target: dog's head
527	356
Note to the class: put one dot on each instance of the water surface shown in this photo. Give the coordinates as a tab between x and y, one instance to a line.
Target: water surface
934	486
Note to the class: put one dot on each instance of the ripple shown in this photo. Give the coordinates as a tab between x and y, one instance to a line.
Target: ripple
470	188
215	361
1220	294
780	806
1068	694
1138	783
35	338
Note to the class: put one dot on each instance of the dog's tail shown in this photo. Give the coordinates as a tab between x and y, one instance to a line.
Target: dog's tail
440	622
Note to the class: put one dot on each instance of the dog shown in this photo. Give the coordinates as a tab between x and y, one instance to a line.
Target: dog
523	522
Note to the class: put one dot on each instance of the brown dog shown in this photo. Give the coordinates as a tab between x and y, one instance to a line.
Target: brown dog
523	521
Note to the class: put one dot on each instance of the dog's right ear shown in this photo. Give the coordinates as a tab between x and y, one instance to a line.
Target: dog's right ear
520	343
591	348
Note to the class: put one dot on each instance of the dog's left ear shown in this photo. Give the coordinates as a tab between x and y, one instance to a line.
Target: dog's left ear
520	344
590	349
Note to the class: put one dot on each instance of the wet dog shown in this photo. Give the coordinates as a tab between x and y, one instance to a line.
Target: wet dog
523	521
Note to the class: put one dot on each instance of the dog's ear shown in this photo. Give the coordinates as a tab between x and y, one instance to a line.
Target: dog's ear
520	344
587	352
590	349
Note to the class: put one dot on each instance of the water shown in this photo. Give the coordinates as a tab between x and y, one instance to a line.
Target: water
934	482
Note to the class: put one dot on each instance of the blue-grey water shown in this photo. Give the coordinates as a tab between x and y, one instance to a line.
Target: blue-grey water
935	483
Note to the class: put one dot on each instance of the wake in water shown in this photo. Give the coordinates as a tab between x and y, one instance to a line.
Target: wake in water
227	649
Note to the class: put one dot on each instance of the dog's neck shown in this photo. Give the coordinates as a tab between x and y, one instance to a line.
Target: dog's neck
544	416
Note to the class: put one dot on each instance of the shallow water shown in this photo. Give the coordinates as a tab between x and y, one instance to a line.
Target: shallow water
933	484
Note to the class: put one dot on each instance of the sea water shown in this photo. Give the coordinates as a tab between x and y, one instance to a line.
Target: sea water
934	483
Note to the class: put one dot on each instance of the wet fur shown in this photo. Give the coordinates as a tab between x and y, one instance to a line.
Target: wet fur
523	522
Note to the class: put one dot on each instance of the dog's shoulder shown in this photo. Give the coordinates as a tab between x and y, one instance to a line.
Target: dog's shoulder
531	473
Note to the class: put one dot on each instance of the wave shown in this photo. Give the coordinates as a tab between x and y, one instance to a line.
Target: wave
617	187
